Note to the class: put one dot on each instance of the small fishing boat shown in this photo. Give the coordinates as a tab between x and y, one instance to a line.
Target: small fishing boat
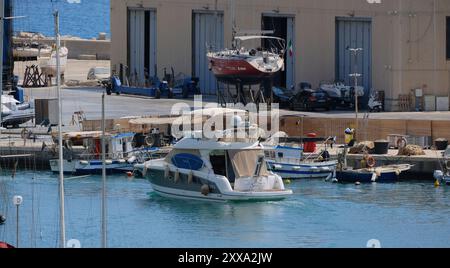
121	156
48	64
289	163
248	66
214	170
381	174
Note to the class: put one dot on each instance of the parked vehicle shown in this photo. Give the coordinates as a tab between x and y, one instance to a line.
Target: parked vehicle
98	73
309	99
375	105
342	95
186	86
282	96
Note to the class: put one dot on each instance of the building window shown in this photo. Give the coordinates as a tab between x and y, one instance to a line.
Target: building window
448	38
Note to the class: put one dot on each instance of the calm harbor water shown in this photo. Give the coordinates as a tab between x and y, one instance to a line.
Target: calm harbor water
319	214
85	19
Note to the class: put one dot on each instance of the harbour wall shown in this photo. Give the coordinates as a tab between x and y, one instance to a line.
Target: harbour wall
82	49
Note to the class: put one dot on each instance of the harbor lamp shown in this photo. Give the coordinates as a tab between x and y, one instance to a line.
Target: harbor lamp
17	201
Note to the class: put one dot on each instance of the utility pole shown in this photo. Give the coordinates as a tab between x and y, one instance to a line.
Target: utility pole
104	231
2	34
355	75
62	224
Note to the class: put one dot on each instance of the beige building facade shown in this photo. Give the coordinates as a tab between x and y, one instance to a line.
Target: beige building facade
404	41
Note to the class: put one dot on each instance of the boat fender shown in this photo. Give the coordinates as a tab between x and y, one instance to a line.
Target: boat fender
84	162
371	161
144	171
398	172
437	183
204	189
166	172
378	172
130	174
108	162
177	176
190	177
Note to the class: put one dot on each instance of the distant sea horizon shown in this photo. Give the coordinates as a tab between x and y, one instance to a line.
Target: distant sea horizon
86	19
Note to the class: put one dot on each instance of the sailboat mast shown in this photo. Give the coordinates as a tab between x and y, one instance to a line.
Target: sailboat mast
2	32
60	147
233	21
104	237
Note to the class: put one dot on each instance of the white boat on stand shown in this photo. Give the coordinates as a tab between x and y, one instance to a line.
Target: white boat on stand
214	170
48	64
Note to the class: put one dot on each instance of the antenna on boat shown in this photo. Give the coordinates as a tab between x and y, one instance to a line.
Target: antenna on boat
233	22
60	147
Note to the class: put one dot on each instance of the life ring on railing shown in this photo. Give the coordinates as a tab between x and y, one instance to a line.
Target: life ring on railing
370	161
401	143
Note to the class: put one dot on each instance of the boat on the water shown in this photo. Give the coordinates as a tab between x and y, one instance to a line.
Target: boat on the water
289	163
214	170
241	65
15	113
121	156
383	174
48	64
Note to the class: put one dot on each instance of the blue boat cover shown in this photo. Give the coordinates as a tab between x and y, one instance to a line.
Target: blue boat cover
187	161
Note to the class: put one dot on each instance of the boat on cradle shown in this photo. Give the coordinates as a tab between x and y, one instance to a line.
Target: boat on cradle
385	174
248	66
289	163
48	64
32	50
121	156
15	113
214	170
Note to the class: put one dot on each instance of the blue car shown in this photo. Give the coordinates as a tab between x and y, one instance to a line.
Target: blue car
282	96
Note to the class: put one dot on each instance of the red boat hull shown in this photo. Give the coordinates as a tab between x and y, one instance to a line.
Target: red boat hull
236	71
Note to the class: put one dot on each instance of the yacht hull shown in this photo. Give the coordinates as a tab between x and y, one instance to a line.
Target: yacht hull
93	167
181	188
314	170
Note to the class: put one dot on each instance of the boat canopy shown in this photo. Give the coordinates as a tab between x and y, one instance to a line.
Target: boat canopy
248	163
252	37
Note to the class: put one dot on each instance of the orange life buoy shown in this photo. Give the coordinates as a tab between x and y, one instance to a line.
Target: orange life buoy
370	161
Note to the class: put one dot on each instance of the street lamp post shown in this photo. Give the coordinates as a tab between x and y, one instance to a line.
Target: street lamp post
355	75
17	200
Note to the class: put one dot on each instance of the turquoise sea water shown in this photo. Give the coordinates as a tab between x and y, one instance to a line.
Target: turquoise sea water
85	19
319	214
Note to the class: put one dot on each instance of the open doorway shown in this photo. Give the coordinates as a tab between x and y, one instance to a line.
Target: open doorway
282	27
